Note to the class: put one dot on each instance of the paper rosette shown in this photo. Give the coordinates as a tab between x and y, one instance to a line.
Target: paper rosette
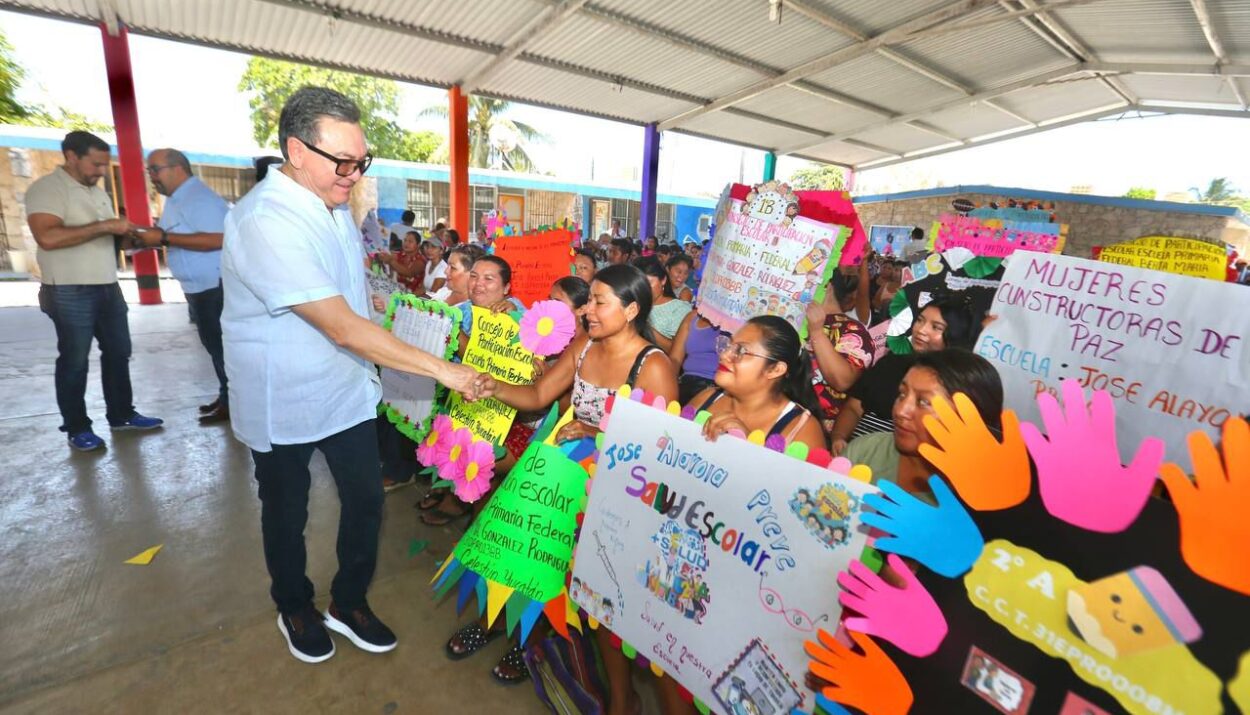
547	328
450	462
436	442
474	468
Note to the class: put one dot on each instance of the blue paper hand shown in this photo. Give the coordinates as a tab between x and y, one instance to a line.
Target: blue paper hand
942	538
824	706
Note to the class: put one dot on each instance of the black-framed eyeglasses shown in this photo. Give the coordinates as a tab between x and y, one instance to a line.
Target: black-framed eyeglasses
342	167
156	169
724	344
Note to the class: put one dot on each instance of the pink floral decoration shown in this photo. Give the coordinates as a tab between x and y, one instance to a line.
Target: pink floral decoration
451	462
474	471
547	327
436	441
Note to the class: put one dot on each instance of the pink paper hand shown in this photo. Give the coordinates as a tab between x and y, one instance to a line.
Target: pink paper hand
908	617
1079	472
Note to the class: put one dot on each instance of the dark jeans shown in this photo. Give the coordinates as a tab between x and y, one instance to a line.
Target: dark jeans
206	306
399	454
81	312
283	477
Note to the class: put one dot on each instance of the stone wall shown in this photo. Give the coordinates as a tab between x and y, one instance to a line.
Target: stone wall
19	168
1089	224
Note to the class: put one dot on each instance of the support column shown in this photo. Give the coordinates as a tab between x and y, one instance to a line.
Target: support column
130	156
850	180
770	166
650	179
458	145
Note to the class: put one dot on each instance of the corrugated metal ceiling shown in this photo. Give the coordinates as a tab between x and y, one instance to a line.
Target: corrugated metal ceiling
708	66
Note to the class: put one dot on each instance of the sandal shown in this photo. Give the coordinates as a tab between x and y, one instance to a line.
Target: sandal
432	498
389	485
438	517
472	637
511	668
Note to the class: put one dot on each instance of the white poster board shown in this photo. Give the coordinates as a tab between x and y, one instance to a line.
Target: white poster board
382	286
1171	350
707	559
413	395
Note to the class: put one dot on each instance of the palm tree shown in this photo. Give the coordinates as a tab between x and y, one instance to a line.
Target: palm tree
1219	191
495	141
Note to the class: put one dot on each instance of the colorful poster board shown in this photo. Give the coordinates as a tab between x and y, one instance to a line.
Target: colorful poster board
538	259
995	237
764	262
407	399
889	240
494	347
1182	256
714	561
1171	350
954	275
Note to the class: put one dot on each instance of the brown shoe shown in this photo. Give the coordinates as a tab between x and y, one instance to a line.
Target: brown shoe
210	407
221	414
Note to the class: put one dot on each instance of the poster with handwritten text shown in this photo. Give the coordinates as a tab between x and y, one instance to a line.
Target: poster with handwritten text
1170	349
494	349
757	267
715	560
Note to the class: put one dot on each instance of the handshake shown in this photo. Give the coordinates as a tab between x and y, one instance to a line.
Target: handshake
132	235
470	383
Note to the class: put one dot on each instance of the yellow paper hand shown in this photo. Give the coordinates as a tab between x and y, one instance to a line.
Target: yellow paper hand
986	473
1215	532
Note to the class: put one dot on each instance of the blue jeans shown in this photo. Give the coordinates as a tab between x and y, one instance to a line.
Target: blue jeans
81	312
284	480
206	306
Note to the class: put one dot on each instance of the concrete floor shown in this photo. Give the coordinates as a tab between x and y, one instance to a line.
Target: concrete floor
193	631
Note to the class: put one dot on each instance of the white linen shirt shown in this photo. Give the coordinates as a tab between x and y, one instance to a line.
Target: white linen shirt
289	383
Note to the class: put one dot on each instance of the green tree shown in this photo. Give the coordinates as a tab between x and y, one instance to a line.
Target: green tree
12	111
1140	192
823	177
496	141
1218	191
271	82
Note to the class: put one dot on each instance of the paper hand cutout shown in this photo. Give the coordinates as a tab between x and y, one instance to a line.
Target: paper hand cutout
1078	463
988	474
943	538
824	706
1214	510
868	681
908	617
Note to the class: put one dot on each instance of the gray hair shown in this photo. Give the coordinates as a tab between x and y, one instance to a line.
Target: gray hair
306	107
173	157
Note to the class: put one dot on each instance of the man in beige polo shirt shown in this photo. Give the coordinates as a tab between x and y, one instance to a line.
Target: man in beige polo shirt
72	220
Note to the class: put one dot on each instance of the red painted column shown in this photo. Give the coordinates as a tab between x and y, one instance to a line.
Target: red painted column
458	143
130	156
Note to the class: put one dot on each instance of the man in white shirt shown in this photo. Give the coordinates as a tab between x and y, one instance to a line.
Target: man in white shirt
300	350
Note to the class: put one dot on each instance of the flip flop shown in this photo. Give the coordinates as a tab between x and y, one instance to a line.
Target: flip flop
474	637
432	498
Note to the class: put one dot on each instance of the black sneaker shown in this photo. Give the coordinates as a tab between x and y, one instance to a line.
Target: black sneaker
306	635
362	628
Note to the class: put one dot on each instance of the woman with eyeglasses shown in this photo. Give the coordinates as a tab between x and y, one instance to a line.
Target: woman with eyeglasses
763	383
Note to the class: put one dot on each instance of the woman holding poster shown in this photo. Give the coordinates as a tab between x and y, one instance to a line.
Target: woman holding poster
616	351
763	383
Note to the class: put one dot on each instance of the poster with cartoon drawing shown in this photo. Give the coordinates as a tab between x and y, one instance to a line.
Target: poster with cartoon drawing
704	556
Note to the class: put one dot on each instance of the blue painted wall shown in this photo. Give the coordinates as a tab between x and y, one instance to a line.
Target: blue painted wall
686	221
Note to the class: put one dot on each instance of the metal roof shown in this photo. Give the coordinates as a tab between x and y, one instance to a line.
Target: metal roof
862	83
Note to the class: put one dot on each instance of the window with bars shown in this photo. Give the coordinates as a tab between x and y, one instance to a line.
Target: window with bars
664	221
483	201
627	212
229	183
441	191
419	202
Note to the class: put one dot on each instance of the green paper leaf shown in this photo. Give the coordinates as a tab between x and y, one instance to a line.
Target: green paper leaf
500	451
443	484
982	266
416	546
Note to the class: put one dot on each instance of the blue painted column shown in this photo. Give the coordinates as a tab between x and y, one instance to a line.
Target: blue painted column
650	179
770	166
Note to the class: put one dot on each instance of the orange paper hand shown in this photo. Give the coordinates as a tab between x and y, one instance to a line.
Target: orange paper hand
869	681
987	474
1213	509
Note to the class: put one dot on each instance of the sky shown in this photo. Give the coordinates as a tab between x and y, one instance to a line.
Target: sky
204	111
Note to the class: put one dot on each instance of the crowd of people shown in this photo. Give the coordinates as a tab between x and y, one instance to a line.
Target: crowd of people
280	294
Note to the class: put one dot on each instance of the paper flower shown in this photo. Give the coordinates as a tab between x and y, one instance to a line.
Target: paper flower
474	468
435	442
450	462
547	328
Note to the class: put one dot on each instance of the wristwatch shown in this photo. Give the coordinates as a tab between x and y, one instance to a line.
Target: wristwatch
164	238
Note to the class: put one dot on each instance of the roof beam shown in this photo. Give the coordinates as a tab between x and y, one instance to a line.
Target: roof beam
1089	116
1210	70
1014	115
898	33
1054	32
1217	47
535	29
1200	111
1032	81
